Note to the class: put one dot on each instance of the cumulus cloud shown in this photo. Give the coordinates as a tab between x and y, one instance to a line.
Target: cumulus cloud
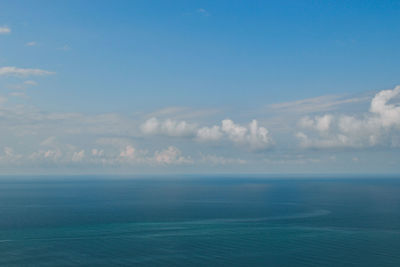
151	126
78	156
174	128
66	154
97	152
5	30
50	154
130	155
10	154
319	123
253	136
55	151
22	72
258	137
234	131
128	152
171	155
379	126
388	114
209	133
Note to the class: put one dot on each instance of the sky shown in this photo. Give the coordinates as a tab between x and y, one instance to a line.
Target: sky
165	87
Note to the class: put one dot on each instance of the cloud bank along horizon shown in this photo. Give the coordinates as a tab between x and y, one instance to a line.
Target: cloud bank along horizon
110	140
149	103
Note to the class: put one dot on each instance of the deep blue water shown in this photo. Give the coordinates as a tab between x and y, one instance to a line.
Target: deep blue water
92	221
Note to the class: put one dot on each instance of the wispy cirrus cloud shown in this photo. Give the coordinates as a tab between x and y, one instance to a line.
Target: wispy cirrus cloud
18	94
317	104
23	72
182	113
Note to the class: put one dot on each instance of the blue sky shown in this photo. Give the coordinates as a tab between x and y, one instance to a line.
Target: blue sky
199	86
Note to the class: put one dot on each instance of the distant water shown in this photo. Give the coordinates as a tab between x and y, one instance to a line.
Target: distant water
199	222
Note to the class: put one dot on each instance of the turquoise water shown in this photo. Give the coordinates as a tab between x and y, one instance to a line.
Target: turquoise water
91	221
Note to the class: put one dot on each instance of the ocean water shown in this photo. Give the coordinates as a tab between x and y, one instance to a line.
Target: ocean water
221	221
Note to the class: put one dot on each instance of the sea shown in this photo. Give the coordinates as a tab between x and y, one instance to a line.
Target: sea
199	221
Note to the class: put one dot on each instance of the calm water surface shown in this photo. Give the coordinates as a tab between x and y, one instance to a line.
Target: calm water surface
91	221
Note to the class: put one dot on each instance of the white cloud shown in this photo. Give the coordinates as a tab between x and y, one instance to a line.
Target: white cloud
389	114
257	138
53	154
379	126
151	126
10	156
52	150
78	156
175	128
14	71
128	152
5	30
132	155
235	132
319	123
171	155
209	133
97	152
8	151
50	154
253	136
168	127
